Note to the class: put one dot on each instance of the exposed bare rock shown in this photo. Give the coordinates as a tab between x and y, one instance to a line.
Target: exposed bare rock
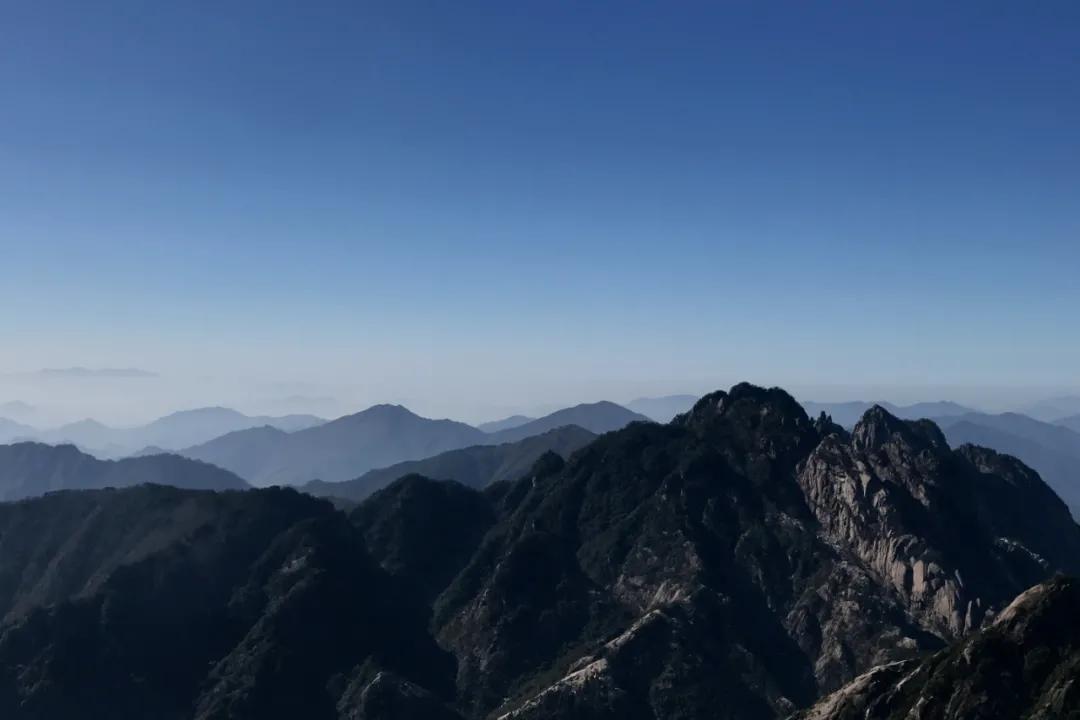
1026	664
944	531
777	557
739	563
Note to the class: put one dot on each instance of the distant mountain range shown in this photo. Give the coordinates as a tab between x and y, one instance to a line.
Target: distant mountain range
1051	450
379	437
339	450
30	469
848	413
477	466
1072	422
1053	409
663	409
153	602
505	424
598	418
172	432
741	562
11	431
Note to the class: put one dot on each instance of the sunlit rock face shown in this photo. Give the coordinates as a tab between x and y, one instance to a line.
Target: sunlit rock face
740	562
747	537
1024	664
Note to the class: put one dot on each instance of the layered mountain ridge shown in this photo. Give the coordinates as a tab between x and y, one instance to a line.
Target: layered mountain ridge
477	466
742	561
29	469
171	432
379	437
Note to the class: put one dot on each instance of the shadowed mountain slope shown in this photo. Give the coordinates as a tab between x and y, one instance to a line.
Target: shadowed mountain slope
737	563
156	602
1052	450
476	466
741	562
379	437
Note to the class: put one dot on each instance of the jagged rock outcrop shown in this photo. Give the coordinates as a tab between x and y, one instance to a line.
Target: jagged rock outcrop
1025	664
740	562
954	534
777	557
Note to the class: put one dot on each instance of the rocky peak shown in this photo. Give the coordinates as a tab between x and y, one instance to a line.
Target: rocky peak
742	399
912	509
825	427
879	427
755	421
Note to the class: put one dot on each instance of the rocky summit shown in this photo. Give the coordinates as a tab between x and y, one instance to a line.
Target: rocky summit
743	561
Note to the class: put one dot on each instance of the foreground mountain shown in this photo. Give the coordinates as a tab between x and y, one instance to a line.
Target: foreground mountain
740	562
477	466
598	418
1052	450
172	432
1026	664
336	451
153	602
849	413
30	469
662	409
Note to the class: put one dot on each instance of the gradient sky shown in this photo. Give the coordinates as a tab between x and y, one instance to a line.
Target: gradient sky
479	206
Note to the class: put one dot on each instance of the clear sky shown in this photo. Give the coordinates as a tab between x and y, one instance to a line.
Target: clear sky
477	206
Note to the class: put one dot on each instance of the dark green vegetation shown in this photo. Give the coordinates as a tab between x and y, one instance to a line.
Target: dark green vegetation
476	466
154	602
30	469
740	562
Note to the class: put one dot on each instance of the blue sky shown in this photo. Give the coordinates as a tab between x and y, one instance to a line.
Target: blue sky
476	205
